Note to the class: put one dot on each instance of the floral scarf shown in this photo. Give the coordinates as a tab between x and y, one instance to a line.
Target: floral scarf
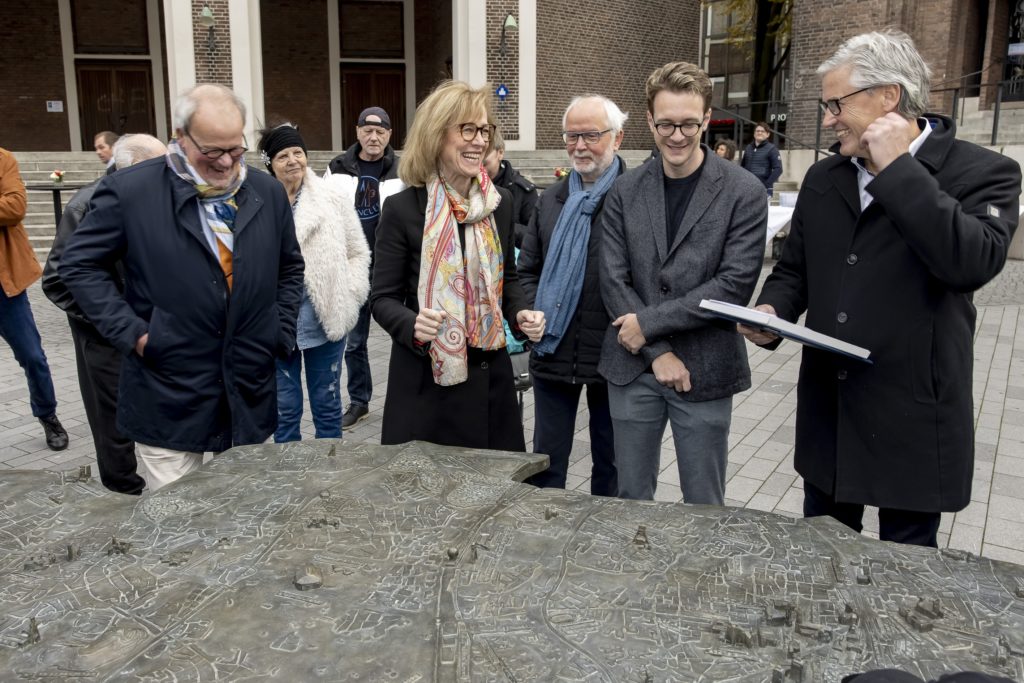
219	205
464	283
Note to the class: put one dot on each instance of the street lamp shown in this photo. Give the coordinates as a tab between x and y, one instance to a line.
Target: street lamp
510	24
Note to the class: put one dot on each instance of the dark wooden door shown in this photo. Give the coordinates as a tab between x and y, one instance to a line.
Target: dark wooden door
372	85
115	96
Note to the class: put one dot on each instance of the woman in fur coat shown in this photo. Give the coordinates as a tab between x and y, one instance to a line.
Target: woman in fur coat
337	282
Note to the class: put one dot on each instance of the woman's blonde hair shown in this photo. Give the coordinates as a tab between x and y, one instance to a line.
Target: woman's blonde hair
449	104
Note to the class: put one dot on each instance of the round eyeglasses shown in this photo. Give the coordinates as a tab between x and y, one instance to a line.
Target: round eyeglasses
590	137
469	131
688	129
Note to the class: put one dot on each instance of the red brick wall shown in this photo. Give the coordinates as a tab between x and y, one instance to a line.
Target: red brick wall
32	73
212	67
296	68
575	57
504	69
937	27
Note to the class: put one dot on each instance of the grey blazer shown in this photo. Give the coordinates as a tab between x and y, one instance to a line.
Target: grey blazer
717	254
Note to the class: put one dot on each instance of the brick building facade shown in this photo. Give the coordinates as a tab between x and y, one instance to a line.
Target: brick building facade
956	38
612	53
116	64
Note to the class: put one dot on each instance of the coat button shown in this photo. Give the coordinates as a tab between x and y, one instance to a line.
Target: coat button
852	259
841	374
484	365
842	317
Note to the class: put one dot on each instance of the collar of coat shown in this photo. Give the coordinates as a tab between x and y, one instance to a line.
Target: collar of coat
932	156
935	149
320	206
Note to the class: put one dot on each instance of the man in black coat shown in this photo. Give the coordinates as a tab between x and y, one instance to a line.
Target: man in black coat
524	193
889	239
762	158
592	135
212	286
98	362
371	164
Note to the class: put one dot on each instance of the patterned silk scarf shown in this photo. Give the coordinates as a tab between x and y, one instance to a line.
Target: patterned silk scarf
465	283
219	205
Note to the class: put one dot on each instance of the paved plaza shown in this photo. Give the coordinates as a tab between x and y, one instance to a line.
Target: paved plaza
761	474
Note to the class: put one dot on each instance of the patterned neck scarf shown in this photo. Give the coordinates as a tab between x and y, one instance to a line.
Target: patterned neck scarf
219	205
465	283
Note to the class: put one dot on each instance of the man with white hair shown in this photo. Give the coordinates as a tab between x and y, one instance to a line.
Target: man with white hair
558	268
98	362
889	239
213	282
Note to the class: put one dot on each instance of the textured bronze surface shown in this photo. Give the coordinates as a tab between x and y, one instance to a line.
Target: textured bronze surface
319	561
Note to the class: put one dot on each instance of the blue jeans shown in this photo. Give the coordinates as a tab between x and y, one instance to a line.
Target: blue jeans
357	360
700	430
323	374
18	328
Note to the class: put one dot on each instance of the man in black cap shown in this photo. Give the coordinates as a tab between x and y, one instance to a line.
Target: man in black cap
371	164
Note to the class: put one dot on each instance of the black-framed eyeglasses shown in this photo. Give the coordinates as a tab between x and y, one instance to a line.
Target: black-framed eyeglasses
214	153
688	128
834	105
469	131
590	137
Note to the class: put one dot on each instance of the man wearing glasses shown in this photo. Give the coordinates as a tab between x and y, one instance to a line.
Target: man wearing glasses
687	225
558	268
889	239
212	285
371	165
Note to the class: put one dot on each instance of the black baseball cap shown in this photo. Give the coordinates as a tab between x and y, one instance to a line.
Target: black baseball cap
384	122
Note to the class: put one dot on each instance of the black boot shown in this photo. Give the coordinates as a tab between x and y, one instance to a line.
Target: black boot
56	435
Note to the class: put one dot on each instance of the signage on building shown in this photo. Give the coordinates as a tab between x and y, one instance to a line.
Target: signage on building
55	106
501	92
1015	50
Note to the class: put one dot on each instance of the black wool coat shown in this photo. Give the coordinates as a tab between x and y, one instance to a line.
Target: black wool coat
206	381
897	279
577	355
479	413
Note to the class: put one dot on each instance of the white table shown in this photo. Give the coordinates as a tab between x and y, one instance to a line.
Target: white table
778	218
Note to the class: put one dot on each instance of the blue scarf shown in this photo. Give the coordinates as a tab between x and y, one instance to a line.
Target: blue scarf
561	280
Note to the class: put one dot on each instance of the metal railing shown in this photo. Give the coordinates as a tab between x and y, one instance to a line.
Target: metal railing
733	111
1010	85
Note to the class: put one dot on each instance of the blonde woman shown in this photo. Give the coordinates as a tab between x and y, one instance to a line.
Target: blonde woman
443	279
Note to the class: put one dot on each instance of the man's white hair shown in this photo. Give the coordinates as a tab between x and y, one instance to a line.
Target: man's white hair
187	103
884	57
133	148
616	117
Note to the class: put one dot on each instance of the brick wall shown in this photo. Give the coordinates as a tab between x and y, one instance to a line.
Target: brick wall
32	73
433	34
937	27
573	57
215	66
503	69
296	68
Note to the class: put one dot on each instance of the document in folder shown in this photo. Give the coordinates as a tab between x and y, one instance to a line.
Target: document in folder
783	328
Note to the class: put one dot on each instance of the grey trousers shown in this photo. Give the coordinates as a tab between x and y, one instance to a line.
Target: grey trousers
700	431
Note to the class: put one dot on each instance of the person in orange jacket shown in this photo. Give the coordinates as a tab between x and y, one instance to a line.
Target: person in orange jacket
19	269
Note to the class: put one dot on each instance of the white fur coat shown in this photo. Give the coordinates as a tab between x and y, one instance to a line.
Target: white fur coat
337	256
